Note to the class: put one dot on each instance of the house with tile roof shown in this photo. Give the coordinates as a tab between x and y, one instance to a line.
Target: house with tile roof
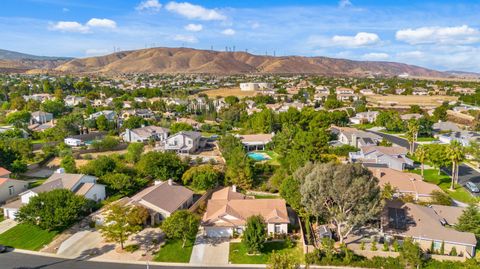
79	184
227	212
255	141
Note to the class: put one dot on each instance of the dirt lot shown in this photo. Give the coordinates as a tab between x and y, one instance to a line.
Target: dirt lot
407	100
224	92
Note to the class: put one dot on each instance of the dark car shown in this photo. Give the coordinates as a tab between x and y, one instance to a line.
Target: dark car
472	187
3	248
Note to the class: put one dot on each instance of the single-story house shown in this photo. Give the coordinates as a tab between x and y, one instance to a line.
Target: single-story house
227	213
355	137
394	157
80	184
255	141
145	134
10	188
463	137
405	183
445	127
427	226
162	199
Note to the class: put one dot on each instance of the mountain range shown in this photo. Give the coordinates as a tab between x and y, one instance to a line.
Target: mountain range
187	60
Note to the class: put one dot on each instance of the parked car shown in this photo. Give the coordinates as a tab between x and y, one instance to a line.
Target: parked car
3	248
472	187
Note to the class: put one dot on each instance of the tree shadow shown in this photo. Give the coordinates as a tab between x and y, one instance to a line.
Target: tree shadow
94	252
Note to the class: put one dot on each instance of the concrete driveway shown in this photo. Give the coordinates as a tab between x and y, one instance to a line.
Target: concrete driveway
210	251
79	244
7	225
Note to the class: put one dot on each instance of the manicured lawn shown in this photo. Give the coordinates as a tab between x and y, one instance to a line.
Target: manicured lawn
266	196
172	251
426	139
274	157
26	236
36	183
444	181
238	253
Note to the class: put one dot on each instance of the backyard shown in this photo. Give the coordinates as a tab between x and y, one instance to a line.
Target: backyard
26	236
172	251
238	252
443	181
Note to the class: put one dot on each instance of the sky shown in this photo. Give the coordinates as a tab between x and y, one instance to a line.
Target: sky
443	35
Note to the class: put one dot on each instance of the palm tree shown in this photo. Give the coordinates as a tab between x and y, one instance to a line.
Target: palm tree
456	154
421	154
412	133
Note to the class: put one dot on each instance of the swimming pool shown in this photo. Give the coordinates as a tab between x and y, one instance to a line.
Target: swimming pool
258	156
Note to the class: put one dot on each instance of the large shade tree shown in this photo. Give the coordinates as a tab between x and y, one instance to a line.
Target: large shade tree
346	194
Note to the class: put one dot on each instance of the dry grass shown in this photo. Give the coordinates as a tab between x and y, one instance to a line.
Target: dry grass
407	100
224	92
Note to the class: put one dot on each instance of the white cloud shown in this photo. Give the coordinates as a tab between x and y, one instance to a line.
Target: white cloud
375	56
96	52
149	5
69	26
439	35
228	31
65	9
344	3
416	54
76	27
101	23
192	11
185	38
255	25
193	27
359	40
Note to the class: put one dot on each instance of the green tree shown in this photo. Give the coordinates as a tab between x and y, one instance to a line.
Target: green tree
54	210
56	107
19	118
410	254
437	155
231	100
278	260
68	163
134	152
122	221
179	127
107	143
100	166
440	198
290	191
202	177
456	154
421	154
255	234
412	133
360	200
182	225
161	165
102	123
469	221
239	169
119	182
133	122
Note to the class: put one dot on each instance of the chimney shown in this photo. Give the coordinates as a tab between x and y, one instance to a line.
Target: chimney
234	188
170	182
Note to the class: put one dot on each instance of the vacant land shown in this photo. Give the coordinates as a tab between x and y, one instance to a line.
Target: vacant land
26	236
408	100
238	252
224	92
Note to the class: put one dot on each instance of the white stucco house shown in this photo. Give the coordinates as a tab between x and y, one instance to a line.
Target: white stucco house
10	188
80	184
185	142
145	134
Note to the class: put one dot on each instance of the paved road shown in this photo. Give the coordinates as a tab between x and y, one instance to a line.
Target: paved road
14	260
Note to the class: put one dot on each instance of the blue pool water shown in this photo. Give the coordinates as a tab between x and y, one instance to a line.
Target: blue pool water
257	156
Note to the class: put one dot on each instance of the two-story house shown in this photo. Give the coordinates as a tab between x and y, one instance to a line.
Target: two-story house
393	157
185	142
145	134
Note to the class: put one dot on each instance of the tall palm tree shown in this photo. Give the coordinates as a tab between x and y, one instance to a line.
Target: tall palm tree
412	133
456	154
421	154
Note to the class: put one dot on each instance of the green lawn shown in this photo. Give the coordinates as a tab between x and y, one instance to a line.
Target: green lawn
26	236
172	251
36	183
274	157
444	181
426	139
266	196
238	253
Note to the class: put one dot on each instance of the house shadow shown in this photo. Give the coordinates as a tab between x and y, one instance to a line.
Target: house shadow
95	252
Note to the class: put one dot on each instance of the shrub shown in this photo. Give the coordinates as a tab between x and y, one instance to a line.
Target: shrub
373	246
362	245
132	248
386	247
453	252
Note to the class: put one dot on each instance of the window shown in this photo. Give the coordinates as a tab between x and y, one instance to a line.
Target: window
278	228
11	190
95	197
437	245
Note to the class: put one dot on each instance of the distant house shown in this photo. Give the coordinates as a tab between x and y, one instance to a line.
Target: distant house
40	117
420	91
109	114
364	117
414	116
162	199
145	134
428	226
185	142
393	157
40	97
142	113
10	188
227	212
255	86
355	137
445	127
73	142
367	92
36	127
255	141
405	183
80	184
72	100
463	137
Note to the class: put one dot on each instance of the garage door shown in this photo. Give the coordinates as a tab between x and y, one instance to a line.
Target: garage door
218	232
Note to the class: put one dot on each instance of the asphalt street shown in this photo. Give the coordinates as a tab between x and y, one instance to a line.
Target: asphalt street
15	260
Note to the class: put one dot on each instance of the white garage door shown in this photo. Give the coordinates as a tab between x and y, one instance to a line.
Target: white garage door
218	232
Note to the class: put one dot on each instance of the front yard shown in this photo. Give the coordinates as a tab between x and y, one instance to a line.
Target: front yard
172	251
26	236
443	181
238	252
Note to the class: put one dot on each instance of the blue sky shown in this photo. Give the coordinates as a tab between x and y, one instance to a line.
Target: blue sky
440	34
